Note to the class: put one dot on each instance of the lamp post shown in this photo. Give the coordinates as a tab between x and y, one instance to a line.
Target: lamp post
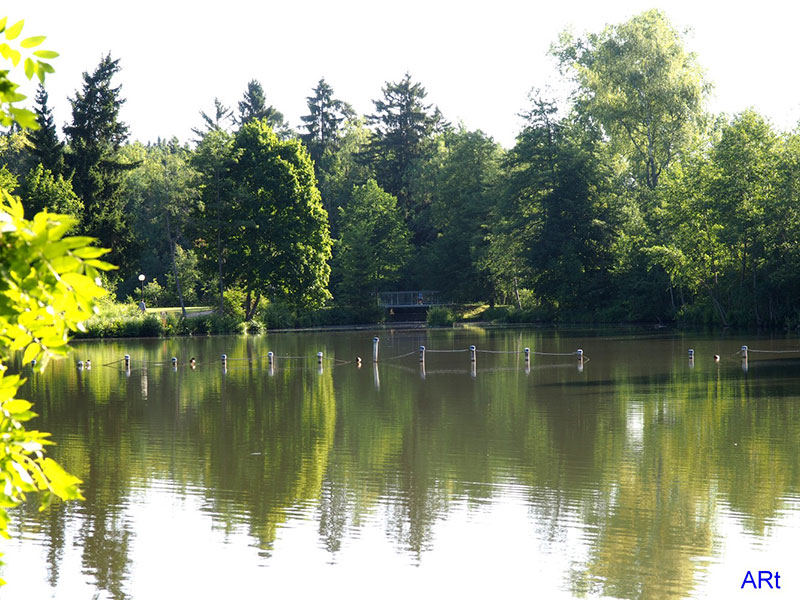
142	278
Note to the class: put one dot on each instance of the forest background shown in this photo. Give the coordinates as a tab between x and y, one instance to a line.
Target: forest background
627	201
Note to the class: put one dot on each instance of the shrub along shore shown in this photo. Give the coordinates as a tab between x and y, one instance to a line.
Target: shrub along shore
126	321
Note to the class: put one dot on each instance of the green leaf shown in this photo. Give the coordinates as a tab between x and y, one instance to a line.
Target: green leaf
25	118
90	252
30	67
14	31
32	42
13	407
46	54
31	352
3	22
15	56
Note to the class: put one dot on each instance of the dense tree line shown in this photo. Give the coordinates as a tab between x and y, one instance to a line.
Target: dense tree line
628	202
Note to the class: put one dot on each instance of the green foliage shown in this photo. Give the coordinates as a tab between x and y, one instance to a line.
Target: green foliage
637	80
153	293
43	190
234	303
278	240
47	149
373	247
48	287
440	316
253	107
465	188
95	137
343	170
403	125
163	193
189	277
323	122
10	112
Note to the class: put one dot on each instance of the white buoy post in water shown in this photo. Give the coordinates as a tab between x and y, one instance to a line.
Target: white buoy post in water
527	361
579	352
691	357
422	354
127	360
224	363
271	358
375	341
174	361
744	352
319	358
472	352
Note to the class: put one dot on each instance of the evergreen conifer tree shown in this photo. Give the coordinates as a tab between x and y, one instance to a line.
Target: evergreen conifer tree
325	115
402	124
254	106
47	149
95	137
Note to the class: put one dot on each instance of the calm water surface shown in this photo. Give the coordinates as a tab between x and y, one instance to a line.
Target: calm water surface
634	475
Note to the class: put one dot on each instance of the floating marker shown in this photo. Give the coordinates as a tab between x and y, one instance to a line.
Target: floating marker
174	361
422	354
375	341
319	357
80	365
691	353
527	355
744	352
579	352
225	361
127	360
472	352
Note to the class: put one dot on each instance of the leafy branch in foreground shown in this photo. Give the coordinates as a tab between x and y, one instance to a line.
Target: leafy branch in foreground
48	285
33	65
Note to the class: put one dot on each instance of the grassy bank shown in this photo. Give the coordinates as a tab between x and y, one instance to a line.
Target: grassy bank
125	320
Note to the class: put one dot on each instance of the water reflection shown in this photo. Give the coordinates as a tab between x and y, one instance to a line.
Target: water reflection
624	468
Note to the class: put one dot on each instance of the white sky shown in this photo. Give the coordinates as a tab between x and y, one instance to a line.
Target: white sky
477	60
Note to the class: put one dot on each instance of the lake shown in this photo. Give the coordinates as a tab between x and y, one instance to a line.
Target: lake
635	473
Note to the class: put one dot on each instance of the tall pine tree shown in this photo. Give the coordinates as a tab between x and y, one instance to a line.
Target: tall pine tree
95	137
47	149
221	120
403	125
325	115
253	105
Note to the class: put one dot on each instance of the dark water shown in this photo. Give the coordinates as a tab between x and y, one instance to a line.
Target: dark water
633	475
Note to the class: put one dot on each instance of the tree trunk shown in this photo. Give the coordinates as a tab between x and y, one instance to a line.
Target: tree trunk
717	306
250	311
175	266
219	243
